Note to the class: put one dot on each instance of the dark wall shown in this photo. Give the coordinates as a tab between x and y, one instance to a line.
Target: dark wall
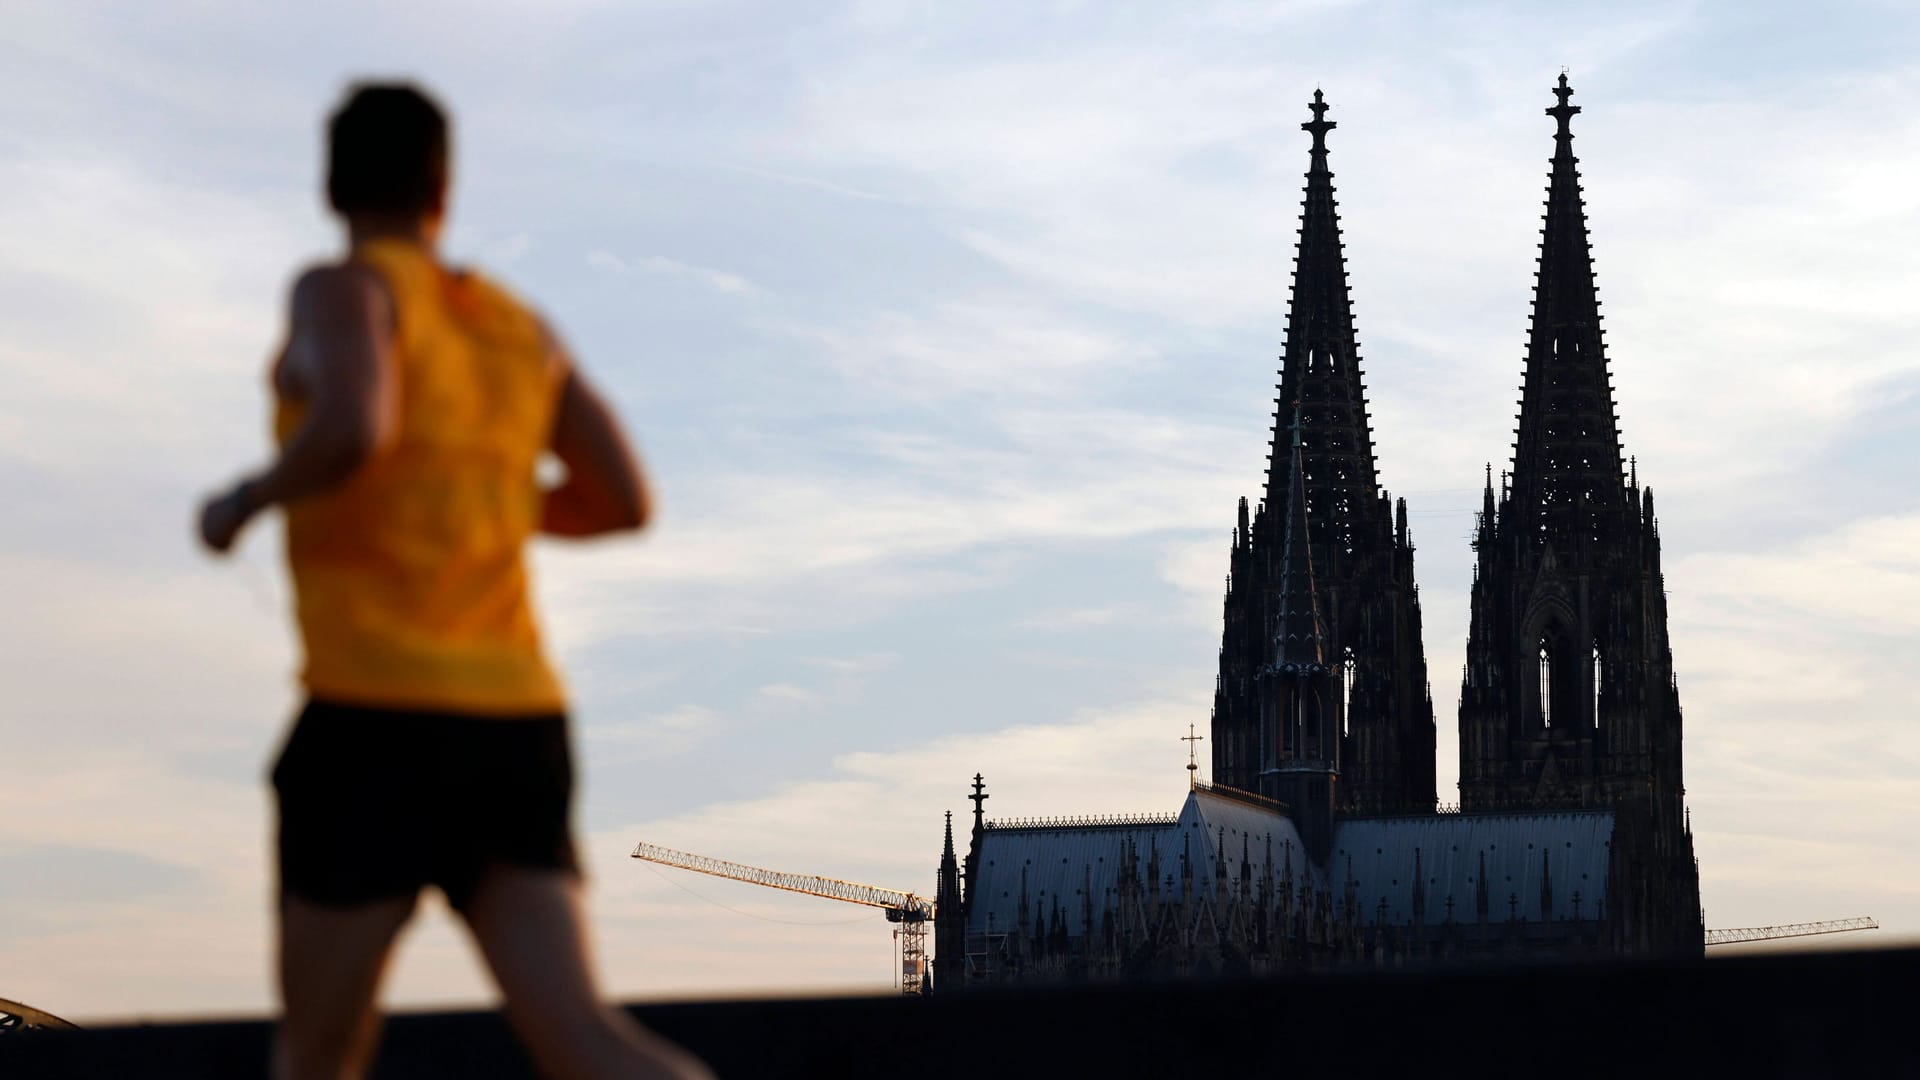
1832	1014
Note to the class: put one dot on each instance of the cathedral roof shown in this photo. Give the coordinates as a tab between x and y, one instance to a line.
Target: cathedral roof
1516	848
1554	862
1062	861
1214	817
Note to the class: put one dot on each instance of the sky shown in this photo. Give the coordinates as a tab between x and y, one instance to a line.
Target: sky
949	333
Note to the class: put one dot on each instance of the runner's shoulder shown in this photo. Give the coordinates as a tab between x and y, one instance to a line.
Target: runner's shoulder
330	284
336	275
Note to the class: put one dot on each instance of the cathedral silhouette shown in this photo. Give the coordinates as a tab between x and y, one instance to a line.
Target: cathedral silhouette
1320	841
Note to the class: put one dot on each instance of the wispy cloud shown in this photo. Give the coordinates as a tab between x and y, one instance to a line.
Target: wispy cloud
661	266
652	737
789	693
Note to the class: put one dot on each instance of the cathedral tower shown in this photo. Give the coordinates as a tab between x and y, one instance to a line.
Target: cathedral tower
1299	740
1568	698
1380	710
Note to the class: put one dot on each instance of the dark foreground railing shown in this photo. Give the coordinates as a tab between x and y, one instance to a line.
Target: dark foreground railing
1793	1015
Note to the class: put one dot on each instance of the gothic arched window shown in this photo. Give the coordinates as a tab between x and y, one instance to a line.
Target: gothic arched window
1596	685
1347	675
1546	684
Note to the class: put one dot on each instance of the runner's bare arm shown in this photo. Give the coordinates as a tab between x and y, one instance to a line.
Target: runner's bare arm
604	489
339	360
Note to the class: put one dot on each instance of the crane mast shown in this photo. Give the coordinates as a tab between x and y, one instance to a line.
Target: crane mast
909	911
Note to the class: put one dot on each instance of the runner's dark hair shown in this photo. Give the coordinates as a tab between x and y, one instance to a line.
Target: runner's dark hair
386	150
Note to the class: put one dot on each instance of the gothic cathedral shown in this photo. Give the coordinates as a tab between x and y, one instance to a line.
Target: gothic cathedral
1320	841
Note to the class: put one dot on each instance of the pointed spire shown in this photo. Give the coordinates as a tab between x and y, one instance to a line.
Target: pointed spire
1419	890
1300	638
1086	901
1266	876
1153	863
1567	474
949	868
1020	911
1320	370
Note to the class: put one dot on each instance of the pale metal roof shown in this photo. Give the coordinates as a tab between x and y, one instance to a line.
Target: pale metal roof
1063	861
1516	846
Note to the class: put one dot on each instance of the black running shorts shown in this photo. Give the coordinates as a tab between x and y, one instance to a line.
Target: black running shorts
378	803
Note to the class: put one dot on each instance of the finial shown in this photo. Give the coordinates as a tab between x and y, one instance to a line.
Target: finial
1563	112
1193	763
1319	126
1633	469
979	799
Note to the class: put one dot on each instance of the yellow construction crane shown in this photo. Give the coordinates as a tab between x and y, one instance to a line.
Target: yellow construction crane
1789	930
17	1017
909	911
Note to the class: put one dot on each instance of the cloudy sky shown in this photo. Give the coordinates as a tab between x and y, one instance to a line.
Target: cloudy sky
949	332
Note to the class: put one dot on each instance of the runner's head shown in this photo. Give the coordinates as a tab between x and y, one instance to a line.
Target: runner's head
387	154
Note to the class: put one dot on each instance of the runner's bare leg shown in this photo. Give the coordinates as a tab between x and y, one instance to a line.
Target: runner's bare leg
331	963
529	925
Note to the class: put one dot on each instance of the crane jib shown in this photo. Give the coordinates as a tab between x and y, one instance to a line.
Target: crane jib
910	911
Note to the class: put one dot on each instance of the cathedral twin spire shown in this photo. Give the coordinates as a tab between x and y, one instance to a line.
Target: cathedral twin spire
1322	579
1568	483
1320	384
1320	660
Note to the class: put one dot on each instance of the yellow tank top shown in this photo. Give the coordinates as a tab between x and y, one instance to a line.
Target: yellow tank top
410	582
